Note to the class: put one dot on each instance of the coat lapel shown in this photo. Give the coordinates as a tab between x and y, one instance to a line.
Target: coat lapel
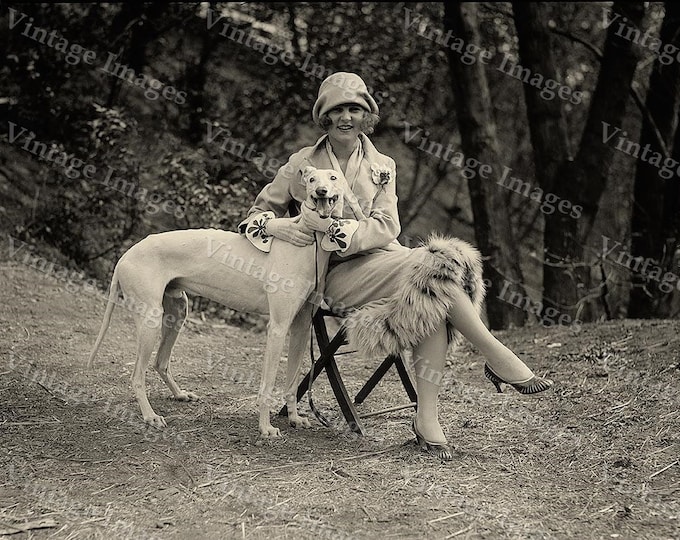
364	188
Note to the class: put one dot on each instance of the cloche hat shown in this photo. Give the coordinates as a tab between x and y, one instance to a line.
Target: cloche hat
340	88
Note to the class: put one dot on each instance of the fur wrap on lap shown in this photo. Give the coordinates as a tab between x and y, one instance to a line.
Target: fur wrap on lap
425	296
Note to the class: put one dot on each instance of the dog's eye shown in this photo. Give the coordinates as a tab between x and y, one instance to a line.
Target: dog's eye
333	178
312	179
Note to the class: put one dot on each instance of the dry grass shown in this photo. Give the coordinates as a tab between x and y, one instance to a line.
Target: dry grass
595	458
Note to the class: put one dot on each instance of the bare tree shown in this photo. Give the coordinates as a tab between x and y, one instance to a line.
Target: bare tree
547	123
580	180
493	232
131	33
654	224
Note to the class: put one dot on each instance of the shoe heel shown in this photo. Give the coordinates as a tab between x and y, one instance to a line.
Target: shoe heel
495	379
441	451
532	386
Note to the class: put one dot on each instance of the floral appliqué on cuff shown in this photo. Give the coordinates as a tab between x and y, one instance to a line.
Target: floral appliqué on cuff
381	175
338	237
254	228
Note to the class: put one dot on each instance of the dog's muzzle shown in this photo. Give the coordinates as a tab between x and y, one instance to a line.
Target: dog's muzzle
324	205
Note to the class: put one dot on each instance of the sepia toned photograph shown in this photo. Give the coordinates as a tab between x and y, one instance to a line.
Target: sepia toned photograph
340	270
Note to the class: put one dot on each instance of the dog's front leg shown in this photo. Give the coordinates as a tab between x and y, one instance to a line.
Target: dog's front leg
276	336
299	343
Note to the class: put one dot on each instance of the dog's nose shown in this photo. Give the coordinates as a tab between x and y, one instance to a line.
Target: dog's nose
321	191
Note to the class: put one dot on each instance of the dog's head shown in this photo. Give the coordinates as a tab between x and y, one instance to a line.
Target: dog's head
324	191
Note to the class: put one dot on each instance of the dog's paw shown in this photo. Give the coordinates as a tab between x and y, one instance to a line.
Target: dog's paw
270	432
299	422
186	396
156	421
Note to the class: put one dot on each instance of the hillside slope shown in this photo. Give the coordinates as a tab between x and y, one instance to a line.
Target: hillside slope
594	458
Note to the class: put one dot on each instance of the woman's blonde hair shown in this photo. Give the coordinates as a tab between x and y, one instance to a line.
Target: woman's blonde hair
368	123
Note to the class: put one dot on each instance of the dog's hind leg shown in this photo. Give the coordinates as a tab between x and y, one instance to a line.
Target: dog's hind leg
299	344
147	331
175	311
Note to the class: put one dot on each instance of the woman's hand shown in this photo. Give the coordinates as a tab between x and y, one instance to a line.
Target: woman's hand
312	221
290	230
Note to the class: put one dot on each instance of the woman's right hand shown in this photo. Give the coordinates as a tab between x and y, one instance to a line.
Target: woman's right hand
289	230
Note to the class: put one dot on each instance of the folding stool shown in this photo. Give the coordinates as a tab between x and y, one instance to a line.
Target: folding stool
328	350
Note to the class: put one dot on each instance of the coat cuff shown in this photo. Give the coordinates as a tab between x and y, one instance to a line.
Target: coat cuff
339	235
254	228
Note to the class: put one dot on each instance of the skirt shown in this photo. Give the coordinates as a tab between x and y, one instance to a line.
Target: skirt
364	278
392	299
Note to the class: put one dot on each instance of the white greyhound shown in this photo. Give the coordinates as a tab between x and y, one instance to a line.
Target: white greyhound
225	267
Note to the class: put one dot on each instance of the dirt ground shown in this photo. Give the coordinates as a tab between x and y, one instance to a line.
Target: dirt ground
597	457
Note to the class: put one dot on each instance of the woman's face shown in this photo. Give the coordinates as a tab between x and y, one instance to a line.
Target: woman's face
345	122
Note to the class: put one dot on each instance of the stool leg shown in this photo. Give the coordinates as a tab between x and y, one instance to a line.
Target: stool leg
406	379
374	380
328	350
341	395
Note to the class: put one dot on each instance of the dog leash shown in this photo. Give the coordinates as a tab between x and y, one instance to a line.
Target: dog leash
319	416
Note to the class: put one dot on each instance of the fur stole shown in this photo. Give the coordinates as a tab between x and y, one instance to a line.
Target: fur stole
424	298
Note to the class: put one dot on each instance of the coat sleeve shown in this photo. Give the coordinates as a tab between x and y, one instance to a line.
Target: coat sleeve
381	227
272	202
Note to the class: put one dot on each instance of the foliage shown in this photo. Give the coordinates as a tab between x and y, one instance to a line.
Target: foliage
160	149
84	215
187	179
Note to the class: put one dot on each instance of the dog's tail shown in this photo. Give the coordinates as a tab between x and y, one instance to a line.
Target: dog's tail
113	296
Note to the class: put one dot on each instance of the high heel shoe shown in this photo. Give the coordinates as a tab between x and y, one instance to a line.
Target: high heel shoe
442	451
532	386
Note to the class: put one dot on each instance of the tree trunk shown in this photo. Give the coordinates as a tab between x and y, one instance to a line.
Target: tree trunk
136	18
195	78
583	180
654	231
547	123
547	127
671	226
494	236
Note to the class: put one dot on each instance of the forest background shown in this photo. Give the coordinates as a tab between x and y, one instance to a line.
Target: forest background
544	133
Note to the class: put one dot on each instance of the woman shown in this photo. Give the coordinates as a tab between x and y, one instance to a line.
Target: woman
392	286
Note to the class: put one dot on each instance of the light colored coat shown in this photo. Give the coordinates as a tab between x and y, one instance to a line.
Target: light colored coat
398	295
376	194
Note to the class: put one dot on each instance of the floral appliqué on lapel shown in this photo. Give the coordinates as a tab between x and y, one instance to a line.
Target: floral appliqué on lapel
381	175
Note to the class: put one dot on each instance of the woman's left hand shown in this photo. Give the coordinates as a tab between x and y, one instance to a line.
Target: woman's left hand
312	220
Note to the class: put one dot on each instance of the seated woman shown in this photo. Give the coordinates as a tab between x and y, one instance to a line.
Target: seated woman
411	297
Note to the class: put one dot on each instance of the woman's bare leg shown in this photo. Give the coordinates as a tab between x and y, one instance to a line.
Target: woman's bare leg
429	358
501	360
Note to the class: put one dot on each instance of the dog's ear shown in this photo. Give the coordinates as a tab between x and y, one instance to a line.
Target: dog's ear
307	172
